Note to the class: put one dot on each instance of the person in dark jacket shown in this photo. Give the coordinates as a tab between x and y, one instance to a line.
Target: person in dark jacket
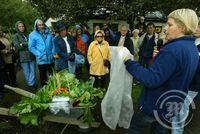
123	39
7	55
2	71
27	59
167	80
147	42
108	37
179	121
64	47
141	24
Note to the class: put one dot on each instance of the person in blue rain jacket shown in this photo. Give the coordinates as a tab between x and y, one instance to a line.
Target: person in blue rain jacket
41	44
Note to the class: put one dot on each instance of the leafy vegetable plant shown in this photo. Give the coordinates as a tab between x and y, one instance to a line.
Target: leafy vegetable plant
81	94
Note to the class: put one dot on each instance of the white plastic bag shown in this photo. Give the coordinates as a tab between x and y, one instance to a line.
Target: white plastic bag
60	103
117	105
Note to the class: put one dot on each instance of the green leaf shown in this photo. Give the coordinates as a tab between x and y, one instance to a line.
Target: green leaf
29	110
85	97
34	121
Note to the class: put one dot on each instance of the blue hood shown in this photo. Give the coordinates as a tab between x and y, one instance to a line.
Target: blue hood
42	46
46	29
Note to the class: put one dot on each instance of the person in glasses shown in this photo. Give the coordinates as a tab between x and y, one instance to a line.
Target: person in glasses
98	53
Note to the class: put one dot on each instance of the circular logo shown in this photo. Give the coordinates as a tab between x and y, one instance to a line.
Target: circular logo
172	107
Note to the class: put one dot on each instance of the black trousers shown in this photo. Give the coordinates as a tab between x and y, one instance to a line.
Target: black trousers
3	77
11	74
44	70
79	71
100	81
144	61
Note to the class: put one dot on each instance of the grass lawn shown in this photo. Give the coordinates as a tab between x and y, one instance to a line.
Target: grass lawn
135	94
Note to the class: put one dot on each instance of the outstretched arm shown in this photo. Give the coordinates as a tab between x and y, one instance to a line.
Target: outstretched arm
162	68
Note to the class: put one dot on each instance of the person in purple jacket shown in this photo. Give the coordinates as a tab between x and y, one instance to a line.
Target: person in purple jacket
167	80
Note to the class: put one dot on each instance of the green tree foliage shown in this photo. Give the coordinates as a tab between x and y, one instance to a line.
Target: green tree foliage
82	10
12	11
72	10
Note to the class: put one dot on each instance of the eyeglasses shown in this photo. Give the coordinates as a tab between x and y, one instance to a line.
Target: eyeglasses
99	36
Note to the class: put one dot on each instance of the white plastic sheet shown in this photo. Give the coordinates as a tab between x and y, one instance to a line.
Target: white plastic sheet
60	103
117	105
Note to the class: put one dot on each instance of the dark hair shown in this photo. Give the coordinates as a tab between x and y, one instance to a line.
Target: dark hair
60	26
151	24
106	30
160	44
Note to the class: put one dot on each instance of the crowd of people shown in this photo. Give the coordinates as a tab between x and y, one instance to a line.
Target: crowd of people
172	68
67	48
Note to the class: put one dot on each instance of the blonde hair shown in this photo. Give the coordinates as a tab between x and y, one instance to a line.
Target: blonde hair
124	25
186	18
135	31
99	31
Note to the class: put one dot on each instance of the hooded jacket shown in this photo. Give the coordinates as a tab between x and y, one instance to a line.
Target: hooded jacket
96	56
20	41
41	45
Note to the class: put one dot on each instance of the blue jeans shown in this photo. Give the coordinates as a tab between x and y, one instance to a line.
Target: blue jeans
178	122
141	120
29	70
71	67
